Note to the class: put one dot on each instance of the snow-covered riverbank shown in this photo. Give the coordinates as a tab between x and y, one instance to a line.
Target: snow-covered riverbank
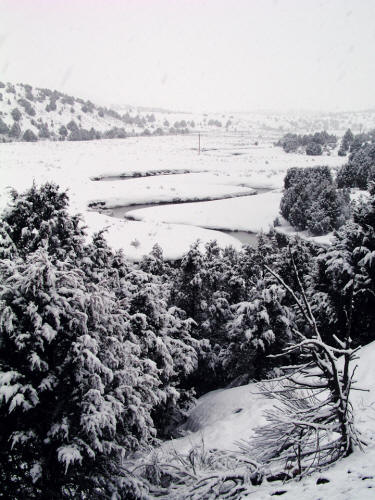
218	172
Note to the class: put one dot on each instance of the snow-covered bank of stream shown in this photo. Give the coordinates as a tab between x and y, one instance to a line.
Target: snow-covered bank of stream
126	212
215	173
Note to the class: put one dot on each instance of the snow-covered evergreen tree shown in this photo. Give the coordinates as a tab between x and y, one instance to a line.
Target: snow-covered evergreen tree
92	357
75	396
262	325
312	424
39	217
346	273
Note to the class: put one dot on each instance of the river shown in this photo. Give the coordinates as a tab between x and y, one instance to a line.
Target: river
124	212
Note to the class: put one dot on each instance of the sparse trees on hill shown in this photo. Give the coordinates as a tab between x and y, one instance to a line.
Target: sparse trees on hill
24	96
27	106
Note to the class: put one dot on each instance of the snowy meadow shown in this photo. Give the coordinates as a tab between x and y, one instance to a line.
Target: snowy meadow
244	179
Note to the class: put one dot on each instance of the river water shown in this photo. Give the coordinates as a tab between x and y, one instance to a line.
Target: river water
124	212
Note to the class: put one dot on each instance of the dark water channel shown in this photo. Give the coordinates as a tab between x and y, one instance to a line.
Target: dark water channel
243	236
124	212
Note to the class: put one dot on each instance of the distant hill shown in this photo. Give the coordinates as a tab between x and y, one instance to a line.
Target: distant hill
30	114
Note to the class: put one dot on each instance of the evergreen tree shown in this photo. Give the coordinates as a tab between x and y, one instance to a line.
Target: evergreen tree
262	325
29	136
346	142
16	114
39	217
312	202
15	130
346	276
74	394
4	129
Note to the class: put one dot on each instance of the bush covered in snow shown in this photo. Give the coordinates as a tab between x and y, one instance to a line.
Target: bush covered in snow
314	149
15	130
97	356
29	136
4	129
16	114
27	106
311	144
311	200
360	169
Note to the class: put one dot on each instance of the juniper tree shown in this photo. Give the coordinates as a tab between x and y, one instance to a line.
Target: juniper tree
39	217
91	355
312	422
346	274
75	397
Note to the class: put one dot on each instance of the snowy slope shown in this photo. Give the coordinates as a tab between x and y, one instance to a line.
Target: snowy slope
223	417
53	109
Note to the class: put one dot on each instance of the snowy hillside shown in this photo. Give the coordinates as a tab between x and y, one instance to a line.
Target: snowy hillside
50	114
223	418
53	115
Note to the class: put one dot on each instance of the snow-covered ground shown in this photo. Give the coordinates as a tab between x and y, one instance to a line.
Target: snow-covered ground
248	213
229	164
224	417
166	188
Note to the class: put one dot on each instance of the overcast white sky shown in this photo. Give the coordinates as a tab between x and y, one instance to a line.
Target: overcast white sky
195	54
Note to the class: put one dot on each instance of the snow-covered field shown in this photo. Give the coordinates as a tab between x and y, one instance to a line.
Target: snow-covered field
223	417
229	165
248	213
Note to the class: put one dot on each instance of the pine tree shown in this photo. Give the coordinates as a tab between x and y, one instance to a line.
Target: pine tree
98	358
346	142
38	217
346	273
74	395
